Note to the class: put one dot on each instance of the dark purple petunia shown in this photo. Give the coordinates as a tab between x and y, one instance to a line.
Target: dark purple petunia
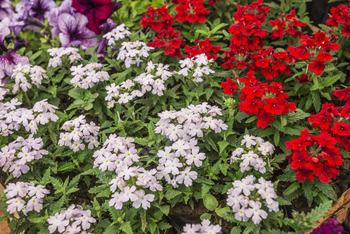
5	9
65	7
105	28
74	31
40	9
31	14
8	58
97	11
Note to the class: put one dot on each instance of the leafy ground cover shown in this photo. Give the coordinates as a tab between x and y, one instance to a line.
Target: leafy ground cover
182	116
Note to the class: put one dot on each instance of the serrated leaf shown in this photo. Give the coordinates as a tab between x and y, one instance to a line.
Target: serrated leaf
326	189
291	188
111	230
251	119
126	227
201	179
240	116
171	193
320	211
67	166
331	80
293	117
56	206
276	138
308	191
141	141
316	100
212	144
222	145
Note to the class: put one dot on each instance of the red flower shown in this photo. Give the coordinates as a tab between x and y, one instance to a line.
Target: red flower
229	86
264	119
303	78
333	156
324	56
304	175
325	172
317	66
326	140
97	11
251	106
273	106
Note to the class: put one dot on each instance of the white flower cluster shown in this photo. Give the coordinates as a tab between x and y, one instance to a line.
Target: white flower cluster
12	118
152	80
132	52
77	131
247	199
116	34
204	228
191	122
173	160
21	73
25	196
250	157
87	76
3	90
71	221
196	67
57	53
18	153
119	154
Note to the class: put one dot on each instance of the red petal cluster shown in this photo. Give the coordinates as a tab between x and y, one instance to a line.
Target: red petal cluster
246	45
191	11
260	98
318	155
340	15
203	47
161	21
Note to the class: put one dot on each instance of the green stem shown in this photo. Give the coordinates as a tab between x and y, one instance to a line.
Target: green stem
28	100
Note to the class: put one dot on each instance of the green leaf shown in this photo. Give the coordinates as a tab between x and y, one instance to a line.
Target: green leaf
141	141
326	189
67	166
126	227
212	144
291	188
201	179
330	80
316	100
75	93
165	209
251	119
111	230
320	211
56	206
210	202
236	230
222	145
208	93
293	117
308	191
240	116
171	193
218	27
276	138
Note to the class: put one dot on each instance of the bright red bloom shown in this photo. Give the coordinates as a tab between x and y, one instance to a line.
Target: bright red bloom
326	140
303	78
264	119
325	172
333	156
304	174
341	129
324	56
297	144
343	94
251	106
300	160
317	67
97	11
273	106
229	86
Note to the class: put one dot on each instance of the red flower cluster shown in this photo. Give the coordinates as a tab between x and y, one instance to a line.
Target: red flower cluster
260	98
161	21
340	15
246	45
229	86
320	43
318	155
191	11
203	47
247	33
282	26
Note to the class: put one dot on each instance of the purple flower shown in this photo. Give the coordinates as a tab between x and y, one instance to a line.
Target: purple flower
40	9
74	31
57	222
65	7
330	227
5	9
